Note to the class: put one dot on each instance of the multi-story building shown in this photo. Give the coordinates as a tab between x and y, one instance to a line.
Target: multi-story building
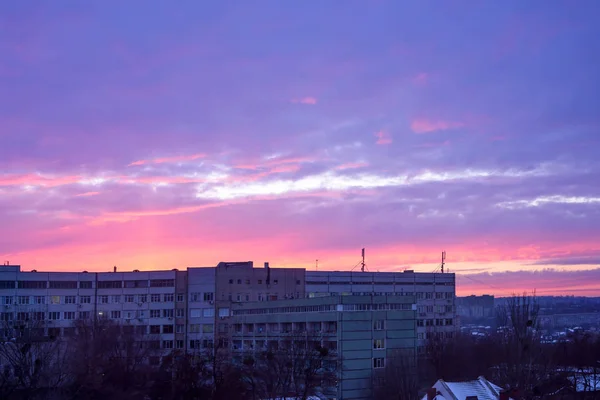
363	331
434	293
190	310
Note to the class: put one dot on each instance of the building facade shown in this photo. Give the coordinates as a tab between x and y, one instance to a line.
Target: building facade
363	332
194	309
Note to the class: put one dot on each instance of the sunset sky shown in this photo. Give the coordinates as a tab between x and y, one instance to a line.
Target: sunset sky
160	134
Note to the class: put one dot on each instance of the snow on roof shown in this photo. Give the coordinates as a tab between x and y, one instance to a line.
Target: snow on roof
481	387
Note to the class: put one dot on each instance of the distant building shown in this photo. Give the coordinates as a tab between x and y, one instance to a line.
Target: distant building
475	307
479	389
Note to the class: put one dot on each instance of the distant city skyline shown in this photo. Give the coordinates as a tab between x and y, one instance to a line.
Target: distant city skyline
227	131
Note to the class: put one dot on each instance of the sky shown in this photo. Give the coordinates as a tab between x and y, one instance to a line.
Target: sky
158	135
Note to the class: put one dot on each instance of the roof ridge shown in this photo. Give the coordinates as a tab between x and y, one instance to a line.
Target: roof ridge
488	385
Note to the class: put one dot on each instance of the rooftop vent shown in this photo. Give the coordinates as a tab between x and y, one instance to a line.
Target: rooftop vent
34	270
174	269
136	270
85	272
409	271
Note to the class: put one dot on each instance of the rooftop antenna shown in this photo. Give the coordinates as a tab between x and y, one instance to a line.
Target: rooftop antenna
362	264
317	264
443	260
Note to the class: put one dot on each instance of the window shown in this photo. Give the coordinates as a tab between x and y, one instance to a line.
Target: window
62	285
262	297
207	328
179	328
179	344
85	314
207	344
195	296
379	344
195	328
129	298
167	329
439	295
239	297
110	285
239	281
85	299
136	284
54	315
142	298
69	315
449	295
31	285
115	314
420	335
298	282
38	316
429	309
23	299
141	313
419	295
39	299
180	297
209	296
208	312
275	281
260	281
154	313
449	321
7	284
167	344
379	325
180	313
7	300
231	281
420	322
379	362
168	297
162	283
70	299
129	314
103	299
141	329
247	297
116	298
195	313
155	298
428	295
167	313
154	329
22	316
85	285
247	281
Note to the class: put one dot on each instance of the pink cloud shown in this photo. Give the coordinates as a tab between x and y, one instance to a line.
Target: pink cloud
351	166
37	180
164	160
305	100
425	125
87	194
383	137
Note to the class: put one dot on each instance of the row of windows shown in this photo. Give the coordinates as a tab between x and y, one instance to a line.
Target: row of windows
438	309
436	335
102	299
435	322
420	295
259	281
430	283
86	284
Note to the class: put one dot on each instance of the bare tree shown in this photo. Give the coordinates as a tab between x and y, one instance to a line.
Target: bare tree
398	380
111	360
34	364
523	364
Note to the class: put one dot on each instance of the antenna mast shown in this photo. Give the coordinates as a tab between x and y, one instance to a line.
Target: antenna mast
316	264
443	260
362	264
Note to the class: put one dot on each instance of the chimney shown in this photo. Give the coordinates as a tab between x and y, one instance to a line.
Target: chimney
115	269
431	392
503	395
266	265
